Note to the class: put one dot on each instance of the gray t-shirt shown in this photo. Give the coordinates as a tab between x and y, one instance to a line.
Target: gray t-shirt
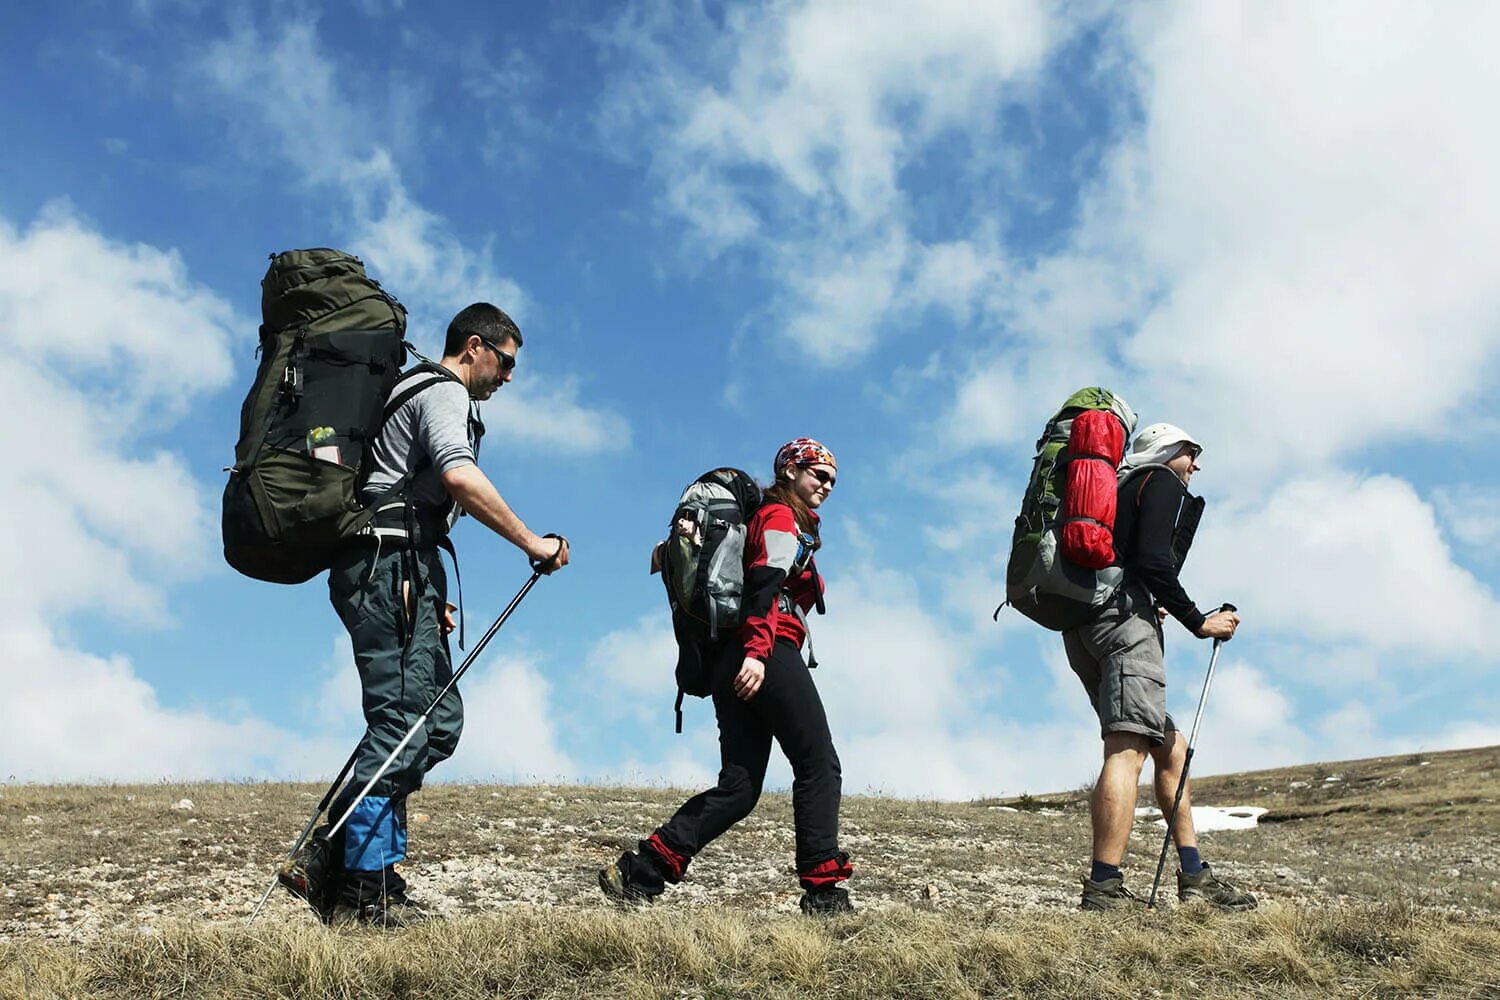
437	422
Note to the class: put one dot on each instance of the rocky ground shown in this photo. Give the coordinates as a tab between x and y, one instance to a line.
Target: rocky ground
77	861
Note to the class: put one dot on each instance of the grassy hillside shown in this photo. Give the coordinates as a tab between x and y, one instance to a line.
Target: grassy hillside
1380	878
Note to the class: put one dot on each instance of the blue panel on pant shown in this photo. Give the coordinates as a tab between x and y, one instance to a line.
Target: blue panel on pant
374	837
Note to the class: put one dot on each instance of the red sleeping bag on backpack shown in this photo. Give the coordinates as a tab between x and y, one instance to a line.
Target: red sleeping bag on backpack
1095	445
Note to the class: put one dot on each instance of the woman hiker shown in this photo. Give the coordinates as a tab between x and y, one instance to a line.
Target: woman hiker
762	688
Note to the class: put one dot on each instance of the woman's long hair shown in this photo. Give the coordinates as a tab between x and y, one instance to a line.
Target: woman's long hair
781	491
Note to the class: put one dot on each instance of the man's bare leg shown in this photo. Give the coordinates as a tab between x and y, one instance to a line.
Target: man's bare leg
1112	805
1169	760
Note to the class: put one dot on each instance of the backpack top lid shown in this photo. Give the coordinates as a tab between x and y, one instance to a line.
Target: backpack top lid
1096	398
324	289
724	491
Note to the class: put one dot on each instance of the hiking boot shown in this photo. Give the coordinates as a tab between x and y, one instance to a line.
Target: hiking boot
310	872
827	902
1207	886
632	879
393	910
1110	894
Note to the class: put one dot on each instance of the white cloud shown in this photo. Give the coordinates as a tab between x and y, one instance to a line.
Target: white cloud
637	660
1472	516
284	88
1300	230
1344	559
1251	723
538	412
788	128
101	344
509	732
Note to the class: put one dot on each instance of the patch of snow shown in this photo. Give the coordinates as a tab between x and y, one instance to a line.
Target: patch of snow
1207	818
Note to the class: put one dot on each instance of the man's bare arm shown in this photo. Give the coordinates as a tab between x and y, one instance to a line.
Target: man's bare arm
474	492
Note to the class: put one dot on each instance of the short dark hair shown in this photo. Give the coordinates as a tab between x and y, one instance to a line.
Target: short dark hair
484	321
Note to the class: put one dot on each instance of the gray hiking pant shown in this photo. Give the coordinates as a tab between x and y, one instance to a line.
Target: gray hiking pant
1118	657
403	662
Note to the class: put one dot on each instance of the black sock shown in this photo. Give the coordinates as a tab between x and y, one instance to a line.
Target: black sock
1102	872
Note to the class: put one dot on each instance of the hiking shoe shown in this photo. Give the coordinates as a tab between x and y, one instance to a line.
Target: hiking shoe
1110	894
1207	886
632	879
309	872
393	910
827	902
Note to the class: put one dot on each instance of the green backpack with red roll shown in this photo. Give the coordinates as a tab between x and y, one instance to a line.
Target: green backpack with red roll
1060	572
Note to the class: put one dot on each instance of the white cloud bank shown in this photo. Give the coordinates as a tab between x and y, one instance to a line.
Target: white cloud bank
100	344
1288	248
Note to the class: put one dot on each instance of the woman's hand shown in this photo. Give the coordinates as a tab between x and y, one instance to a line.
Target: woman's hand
748	681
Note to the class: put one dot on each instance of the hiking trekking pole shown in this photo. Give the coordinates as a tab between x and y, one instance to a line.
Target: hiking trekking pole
333	789
1186	763
536	574
422	719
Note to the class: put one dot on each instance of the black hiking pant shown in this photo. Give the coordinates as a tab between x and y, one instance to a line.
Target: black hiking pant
787	708
403	661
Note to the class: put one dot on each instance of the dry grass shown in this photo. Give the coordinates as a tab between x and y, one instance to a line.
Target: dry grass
1378	883
1383	950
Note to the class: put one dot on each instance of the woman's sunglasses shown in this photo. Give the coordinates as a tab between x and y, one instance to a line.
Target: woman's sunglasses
828	479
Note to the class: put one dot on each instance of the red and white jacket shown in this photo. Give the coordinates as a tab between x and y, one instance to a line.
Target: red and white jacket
771	571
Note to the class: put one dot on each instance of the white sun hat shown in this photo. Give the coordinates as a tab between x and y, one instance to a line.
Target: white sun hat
1157	444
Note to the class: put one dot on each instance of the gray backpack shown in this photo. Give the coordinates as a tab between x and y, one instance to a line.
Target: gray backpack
702	566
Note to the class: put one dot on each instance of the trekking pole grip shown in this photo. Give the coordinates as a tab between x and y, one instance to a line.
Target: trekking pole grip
1226	606
540	564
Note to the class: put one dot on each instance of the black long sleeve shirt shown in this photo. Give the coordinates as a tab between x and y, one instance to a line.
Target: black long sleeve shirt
1145	522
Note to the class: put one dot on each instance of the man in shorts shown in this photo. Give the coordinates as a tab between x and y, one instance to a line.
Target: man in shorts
1118	657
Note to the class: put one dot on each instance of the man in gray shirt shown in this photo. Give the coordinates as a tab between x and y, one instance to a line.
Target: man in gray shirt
390	589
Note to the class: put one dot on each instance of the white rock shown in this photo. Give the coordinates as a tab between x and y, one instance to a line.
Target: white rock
186	805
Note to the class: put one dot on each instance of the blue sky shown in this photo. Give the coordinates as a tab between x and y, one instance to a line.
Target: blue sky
721	227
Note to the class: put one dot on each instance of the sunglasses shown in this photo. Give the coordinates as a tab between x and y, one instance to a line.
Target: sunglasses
828	479
507	360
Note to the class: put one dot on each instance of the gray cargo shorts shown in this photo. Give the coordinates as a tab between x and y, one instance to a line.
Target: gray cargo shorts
1118	657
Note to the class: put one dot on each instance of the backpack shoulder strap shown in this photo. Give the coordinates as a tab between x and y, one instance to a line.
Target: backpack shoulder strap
438	374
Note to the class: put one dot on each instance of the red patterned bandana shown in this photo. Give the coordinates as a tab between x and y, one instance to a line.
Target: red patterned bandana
803	451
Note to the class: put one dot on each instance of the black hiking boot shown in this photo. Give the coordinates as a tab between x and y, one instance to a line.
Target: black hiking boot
393	910
1110	894
311	873
633	879
827	902
1209	887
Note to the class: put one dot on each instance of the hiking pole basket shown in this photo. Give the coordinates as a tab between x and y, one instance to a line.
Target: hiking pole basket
338	783
1186	763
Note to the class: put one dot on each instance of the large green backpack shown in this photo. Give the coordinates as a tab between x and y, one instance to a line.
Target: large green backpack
1039	582
331	348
